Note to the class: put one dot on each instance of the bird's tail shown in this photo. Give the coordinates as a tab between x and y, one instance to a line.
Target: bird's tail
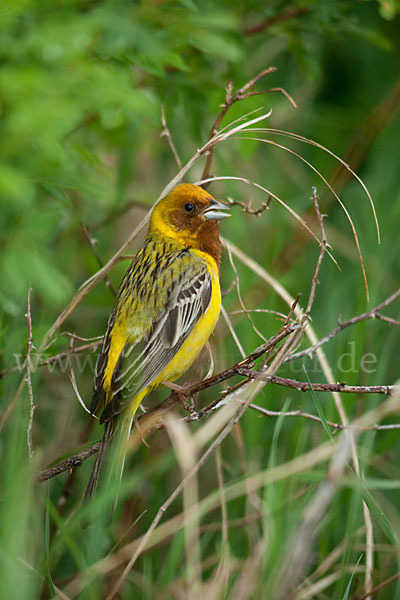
115	463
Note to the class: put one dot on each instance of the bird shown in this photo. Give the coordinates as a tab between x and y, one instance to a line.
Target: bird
166	308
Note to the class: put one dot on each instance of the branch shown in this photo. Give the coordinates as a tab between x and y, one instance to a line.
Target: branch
69	463
240	368
152	418
311	417
166	133
323	247
246	91
303	386
381	585
371	314
286	15
247	209
92	245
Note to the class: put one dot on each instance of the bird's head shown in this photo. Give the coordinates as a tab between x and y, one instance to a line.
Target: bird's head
190	215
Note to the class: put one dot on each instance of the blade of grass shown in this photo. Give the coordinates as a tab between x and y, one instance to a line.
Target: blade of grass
318	406
347	590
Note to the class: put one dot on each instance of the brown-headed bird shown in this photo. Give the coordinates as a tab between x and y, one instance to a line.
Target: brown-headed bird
166	309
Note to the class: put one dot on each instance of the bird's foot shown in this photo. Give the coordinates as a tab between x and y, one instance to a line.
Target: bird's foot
181	392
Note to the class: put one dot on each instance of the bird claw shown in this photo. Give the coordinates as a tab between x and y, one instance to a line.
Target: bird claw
180	392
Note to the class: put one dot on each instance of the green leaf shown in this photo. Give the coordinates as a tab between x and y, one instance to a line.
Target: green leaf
217	44
380	516
319	407
15	187
348	587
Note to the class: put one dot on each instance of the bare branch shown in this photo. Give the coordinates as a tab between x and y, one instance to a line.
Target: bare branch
314	281
381	585
370	314
239	295
69	463
389	320
151	419
247	209
92	245
246	91
304	415
304	386
28	375
166	133
286	15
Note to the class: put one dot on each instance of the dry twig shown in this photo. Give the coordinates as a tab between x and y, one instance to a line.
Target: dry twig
314	281
303	386
285	15
246	91
28	375
166	133
92	245
374	313
150	419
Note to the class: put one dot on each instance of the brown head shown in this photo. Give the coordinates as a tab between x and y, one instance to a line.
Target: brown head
190	215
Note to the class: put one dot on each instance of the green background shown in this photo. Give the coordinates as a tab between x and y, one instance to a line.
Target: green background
82	84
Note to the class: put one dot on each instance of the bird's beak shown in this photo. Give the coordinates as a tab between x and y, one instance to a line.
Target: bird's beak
214	212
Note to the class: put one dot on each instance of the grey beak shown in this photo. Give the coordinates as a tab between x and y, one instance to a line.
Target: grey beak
214	213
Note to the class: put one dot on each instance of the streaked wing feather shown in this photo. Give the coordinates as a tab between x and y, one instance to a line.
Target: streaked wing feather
189	298
101	364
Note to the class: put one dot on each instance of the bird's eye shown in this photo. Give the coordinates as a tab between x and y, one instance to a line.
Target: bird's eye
189	207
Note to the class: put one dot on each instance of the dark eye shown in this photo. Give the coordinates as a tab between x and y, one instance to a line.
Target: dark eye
189	207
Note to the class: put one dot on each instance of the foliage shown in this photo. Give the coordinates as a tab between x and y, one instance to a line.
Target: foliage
82	83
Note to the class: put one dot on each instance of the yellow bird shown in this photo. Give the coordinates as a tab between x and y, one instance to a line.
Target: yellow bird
167	307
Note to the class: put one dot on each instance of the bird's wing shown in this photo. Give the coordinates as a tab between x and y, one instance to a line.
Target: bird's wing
142	361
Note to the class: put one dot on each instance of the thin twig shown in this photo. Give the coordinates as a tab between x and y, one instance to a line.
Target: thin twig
166	133
28	376
304	386
152	416
326	368
378	315
246	91
72	461
370	314
246	208
304	415
77	394
232	331
314	281
378	587
92	245
240	368
288	13
232	263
